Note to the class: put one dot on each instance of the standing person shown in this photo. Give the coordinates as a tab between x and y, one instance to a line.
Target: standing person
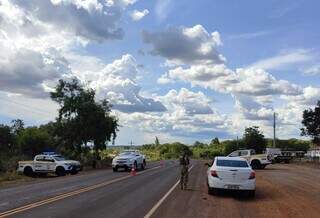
184	163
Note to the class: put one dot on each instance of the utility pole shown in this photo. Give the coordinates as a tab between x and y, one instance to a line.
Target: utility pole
274	129
237	142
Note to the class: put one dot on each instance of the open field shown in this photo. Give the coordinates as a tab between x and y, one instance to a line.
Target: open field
283	190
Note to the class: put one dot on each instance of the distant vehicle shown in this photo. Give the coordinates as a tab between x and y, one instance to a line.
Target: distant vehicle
129	159
49	163
257	161
278	156
231	173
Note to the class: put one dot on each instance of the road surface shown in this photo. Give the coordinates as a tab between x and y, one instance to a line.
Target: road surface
282	191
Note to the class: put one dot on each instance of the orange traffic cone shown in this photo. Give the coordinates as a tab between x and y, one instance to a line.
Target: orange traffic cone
133	170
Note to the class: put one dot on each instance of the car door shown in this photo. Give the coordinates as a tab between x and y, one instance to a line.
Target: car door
39	164
245	154
139	158
50	164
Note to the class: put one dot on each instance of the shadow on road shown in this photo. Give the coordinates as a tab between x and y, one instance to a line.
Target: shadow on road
242	196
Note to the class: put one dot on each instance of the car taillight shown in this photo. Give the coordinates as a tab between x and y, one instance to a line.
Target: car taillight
252	175
214	173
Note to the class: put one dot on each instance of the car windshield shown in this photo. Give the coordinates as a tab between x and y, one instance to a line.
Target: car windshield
59	158
126	153
232	163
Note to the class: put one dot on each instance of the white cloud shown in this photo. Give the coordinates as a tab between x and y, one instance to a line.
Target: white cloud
183	45
216	77
313	70
29	72
250	35
258	82
284	60
188	101
93	20
138	15
117	82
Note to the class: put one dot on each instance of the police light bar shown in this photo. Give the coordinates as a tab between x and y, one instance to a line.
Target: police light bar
49	153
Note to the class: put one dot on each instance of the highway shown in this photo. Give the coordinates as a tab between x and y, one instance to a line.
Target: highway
100	193
283	190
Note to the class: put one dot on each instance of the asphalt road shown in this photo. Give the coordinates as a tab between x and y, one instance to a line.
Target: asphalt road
284	190
101	193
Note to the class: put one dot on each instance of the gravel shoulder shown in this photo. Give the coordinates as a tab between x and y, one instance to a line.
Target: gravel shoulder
283	190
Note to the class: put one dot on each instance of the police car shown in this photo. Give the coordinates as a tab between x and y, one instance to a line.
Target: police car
49	163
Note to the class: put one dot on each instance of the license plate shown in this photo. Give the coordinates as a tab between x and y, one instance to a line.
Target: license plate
234	187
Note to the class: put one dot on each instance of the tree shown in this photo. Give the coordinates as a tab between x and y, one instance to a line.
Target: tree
157	143
17	126
215	141
311	122
81	119
253	138
6	139
199	144
33	140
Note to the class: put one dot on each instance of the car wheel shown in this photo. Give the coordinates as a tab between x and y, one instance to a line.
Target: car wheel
143	165
60	171
263	166
115	169
255	164
28	171
212	191
74	172
251	193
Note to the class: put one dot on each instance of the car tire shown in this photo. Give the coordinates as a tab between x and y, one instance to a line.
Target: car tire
255	164
74	172
143	165
212	191
135	165
28	171
251	193
215	191
60	171
115	169
263	166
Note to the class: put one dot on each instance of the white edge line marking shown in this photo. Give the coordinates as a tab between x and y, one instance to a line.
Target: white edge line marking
158	204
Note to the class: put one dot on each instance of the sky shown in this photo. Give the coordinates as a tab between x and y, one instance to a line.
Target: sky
180	70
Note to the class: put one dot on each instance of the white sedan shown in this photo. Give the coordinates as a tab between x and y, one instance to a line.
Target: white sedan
233	173
129	159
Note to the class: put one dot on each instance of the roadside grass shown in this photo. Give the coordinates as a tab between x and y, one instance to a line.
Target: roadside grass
12	177
307	162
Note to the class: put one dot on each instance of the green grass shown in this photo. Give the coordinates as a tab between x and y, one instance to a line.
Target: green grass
12	177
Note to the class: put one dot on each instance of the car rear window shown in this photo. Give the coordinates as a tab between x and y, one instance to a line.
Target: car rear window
232	163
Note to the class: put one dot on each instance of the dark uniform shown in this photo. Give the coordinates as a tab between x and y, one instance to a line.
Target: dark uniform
184	163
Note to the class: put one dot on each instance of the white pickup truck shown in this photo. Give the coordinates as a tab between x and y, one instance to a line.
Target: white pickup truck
49	163
257	161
